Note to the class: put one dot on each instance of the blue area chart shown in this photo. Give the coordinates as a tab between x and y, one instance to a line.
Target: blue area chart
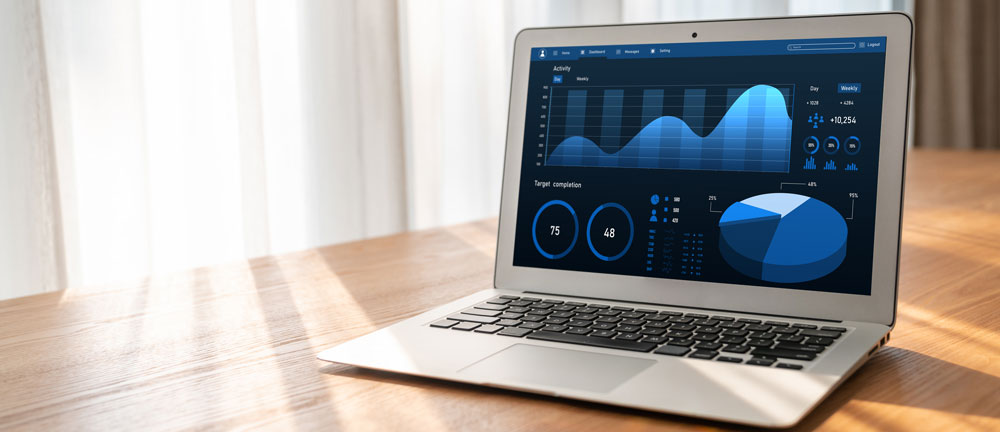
753	135
783	238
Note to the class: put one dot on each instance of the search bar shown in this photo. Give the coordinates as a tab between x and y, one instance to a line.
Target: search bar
823	46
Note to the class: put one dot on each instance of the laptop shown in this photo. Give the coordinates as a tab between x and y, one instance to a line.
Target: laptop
697	218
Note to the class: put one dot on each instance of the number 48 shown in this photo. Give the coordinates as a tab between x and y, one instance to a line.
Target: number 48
609	232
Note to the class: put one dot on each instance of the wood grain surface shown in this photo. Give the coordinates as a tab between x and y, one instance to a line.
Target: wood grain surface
234	346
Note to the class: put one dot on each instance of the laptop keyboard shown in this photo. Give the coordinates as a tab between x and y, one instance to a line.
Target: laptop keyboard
776	343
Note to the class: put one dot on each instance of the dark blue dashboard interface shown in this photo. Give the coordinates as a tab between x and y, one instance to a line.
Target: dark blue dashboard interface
750	162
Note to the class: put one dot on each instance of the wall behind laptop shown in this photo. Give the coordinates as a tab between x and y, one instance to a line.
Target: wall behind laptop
144	136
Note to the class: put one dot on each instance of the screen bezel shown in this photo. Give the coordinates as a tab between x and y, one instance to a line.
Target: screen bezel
878	307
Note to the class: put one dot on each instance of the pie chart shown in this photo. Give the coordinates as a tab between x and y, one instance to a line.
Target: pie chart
782	237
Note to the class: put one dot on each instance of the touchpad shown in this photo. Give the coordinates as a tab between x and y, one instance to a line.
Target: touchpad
581	370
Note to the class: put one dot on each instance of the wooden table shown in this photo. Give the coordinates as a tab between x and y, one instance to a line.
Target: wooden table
235	345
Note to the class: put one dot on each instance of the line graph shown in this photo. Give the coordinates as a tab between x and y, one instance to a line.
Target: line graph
727	128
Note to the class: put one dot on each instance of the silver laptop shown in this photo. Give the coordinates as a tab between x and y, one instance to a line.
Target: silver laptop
697	218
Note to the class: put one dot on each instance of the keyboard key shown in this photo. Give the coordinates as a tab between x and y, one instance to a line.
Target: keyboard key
515	331
508	323
761	343
499	301
705	337
599	306
603	326
654	339
508	315
733	340
803	326
465	326
532	318
633	321
445	323
680	320
671	313
819	341
703	354
576	304
488	328
653	331
729	359
836	329
657	324
585	317
712	346
656	317
531	299
780	353
519	303
540	305
679	334
509	297
593	341
518	309
762	335
579	323
555	328
758	327
578	330
628	336
558	321
748	320
706	329
672	350
705	322
646	311
562	314
788	366
681	342
776	323
553	301
586	310
785	330
739	349
608	319
799	347
493	307
695	315
820	334
628	328
792	339
531	325
760	362
683	327
473	318
723	318
608	313
621	308
632	315
481	312
541	312
741	333
732	325
604	333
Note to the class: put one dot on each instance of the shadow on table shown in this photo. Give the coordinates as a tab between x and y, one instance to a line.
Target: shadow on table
894	376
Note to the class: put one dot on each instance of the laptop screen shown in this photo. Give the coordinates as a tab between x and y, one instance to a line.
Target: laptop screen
748	162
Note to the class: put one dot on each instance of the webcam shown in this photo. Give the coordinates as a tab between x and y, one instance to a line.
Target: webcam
694	35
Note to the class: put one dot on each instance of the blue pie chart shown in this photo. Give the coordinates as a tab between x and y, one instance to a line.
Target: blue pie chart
782	237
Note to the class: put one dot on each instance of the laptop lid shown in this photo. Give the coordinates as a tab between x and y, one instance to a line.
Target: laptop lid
751	165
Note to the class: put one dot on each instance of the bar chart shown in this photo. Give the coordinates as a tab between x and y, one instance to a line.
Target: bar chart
708	127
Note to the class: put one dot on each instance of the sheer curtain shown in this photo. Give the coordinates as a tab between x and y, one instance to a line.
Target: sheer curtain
156	136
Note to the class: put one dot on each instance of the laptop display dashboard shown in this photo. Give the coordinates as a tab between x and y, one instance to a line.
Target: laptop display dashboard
750	162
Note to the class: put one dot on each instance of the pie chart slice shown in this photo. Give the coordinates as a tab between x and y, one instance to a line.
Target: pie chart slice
781	237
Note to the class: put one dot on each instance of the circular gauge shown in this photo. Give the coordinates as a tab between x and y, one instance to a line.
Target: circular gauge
610	231
810	145
852	146
554	229
830	145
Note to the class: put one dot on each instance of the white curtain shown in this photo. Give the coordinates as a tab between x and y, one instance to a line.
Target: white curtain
149	136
